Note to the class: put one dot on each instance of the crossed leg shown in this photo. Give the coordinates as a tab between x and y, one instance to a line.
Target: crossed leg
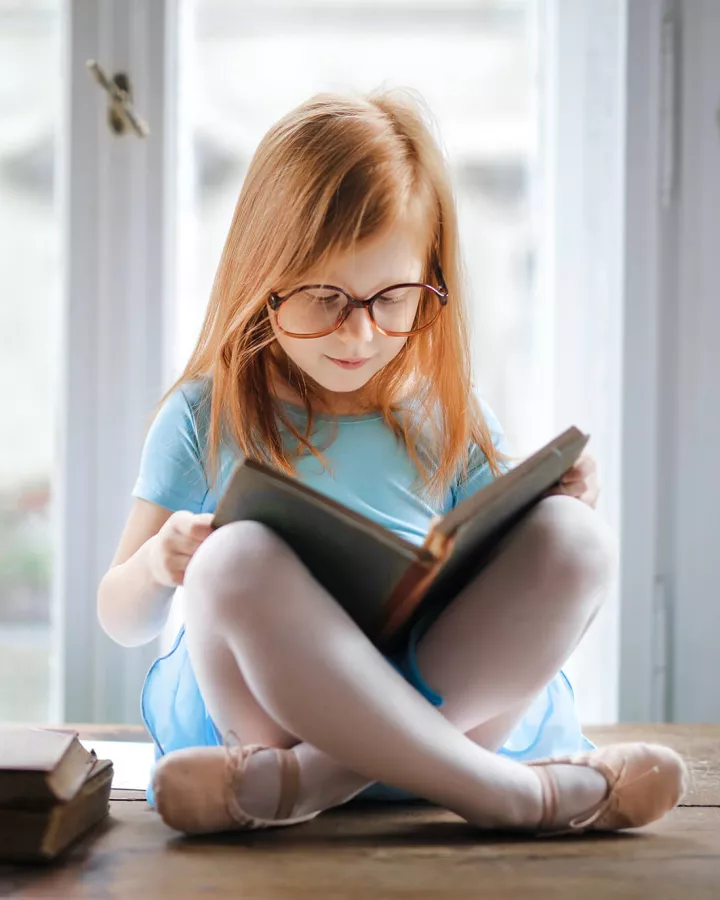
280	663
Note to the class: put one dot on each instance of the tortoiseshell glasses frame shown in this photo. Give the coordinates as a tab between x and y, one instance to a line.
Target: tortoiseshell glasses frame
275	302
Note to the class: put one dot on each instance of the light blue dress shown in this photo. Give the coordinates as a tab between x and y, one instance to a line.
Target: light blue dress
370	472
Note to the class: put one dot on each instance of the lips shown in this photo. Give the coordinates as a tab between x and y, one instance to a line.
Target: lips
349	363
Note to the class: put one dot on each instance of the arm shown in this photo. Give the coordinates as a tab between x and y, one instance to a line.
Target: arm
135	595
163	530
132	604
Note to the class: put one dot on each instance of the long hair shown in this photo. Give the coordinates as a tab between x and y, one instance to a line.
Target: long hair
334	171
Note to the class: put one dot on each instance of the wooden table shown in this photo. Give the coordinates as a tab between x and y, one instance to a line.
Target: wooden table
410	851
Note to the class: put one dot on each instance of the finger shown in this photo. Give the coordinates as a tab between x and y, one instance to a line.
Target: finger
181	521
575	489
201	526
175	566
191	526
186	544
177	558
175	550
577	475
204	518
587	465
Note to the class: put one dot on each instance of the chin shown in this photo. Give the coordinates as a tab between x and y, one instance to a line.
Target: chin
346	383
341	381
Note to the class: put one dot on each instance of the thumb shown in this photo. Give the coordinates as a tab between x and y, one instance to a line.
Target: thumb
200	526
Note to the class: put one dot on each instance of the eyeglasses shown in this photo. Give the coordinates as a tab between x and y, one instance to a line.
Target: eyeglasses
315	310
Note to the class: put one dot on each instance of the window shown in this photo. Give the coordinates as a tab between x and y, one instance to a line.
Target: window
29	347
528	100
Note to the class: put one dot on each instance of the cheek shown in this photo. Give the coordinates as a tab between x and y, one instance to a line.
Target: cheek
391	347
295	351
304	354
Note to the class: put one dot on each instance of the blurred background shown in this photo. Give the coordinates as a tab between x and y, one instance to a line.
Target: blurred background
30	315
531	101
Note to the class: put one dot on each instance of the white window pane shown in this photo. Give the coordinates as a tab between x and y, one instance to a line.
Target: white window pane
244	65
29	346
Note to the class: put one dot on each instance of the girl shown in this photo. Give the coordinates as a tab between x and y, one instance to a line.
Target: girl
335	348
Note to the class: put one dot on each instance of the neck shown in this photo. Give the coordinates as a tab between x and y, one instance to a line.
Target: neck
347	403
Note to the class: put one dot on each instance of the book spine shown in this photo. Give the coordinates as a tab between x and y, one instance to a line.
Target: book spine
411	588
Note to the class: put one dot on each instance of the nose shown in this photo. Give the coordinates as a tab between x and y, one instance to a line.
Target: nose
357	327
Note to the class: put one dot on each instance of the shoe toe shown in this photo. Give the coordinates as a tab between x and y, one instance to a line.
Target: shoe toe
654	782
190	787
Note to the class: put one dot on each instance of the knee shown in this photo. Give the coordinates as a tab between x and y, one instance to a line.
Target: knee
233	566
572	546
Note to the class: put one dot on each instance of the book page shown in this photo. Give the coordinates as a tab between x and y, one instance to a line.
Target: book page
132	761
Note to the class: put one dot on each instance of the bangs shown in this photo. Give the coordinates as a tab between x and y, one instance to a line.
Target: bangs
371	202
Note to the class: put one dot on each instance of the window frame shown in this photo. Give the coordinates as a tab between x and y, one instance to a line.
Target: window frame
116	199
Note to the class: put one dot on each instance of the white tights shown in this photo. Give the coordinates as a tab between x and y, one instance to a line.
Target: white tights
279	662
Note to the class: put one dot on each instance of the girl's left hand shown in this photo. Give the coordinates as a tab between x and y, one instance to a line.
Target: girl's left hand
581	481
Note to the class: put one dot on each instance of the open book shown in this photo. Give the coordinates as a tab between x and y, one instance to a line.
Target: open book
382	580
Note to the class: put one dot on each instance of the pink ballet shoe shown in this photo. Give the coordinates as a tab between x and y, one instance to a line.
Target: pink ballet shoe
645	782
196	789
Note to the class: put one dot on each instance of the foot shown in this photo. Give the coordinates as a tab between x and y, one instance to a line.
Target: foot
642	782
323	783
198	789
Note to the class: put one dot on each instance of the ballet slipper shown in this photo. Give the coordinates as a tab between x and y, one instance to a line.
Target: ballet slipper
645	782
196	789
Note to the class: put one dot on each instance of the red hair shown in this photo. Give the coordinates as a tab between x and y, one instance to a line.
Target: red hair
334	171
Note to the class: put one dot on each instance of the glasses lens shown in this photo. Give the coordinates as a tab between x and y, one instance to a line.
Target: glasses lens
406	308
311	311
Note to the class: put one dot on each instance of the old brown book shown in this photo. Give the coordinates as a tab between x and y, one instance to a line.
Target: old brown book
34	835
40	766
383	581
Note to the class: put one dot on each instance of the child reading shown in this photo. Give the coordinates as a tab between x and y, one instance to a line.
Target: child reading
335	349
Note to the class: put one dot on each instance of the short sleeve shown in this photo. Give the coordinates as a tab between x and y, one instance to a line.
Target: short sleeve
172	473
479	473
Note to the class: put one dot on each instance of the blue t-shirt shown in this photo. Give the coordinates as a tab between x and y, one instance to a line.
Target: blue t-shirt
369	470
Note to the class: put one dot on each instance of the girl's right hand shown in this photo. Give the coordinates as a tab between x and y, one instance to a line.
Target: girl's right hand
175	543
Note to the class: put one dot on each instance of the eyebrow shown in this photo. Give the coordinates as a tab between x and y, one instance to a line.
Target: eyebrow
338	284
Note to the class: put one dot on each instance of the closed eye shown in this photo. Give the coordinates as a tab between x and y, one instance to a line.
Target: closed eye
390	299
324	298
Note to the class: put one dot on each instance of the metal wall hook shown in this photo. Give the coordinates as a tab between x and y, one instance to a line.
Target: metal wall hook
120	101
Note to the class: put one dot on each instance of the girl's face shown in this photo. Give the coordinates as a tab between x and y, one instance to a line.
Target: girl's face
347	359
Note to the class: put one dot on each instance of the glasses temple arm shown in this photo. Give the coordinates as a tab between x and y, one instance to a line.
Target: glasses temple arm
439	275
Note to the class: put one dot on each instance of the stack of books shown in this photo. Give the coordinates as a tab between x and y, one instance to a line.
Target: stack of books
52	791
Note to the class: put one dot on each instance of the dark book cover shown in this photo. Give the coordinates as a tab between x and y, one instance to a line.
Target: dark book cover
383	581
